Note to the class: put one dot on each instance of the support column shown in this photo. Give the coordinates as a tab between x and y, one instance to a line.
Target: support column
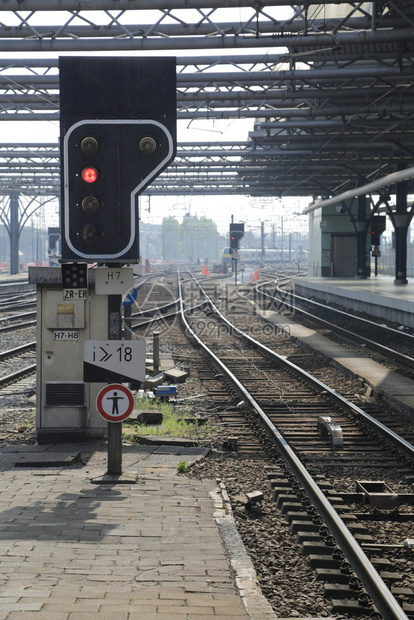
114	428
402	221
361	233
262	256
14	233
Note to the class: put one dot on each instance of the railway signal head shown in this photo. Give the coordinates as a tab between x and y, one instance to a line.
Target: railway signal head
117	135
378	226
107	164
236	233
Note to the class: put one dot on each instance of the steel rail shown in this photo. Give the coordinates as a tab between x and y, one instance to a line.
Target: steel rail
15	317
15	326
5	303
404	446
21	349
170	315
15	376
401	357
373	583
151	311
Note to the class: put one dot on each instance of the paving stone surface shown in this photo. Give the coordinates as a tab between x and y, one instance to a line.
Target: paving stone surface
74	549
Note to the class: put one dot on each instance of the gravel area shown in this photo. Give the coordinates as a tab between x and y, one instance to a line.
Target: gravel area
13	339
17	420
18	407
284	575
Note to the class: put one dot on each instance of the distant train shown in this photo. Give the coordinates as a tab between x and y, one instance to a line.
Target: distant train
254	256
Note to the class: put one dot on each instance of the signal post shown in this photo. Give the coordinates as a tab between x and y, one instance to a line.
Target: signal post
117	134
235	234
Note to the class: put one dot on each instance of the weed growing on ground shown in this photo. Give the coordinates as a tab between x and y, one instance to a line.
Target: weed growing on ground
182	467
174	423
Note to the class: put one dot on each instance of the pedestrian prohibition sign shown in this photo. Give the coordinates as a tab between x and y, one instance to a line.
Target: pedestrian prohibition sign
115	402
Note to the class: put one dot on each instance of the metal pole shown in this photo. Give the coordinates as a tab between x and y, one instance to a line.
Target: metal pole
402	220
234	265
114	428
281	227
361	227
156	351
14	233
262	257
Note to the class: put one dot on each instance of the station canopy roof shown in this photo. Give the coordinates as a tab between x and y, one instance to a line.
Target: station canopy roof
328	88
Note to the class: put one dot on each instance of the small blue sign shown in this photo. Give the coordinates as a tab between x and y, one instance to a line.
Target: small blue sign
130	298
162	390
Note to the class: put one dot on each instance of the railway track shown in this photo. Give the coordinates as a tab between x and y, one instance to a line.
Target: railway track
11	300
292	412
295	409
15	366
14	322
392	344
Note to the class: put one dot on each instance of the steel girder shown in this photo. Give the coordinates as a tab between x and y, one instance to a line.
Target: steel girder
332	93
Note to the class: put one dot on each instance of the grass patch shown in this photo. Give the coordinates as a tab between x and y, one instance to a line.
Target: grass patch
182	467
173	425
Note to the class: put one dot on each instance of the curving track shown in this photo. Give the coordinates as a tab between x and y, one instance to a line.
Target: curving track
289	407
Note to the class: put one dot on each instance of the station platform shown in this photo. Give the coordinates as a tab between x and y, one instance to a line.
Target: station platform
377	296
160	545
385	384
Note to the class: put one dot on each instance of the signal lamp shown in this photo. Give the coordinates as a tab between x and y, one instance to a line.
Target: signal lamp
89	175
90	234
89	145
90	204
147	145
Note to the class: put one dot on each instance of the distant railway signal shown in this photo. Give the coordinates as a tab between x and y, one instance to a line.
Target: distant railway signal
378	226
236	233
118	134
53	233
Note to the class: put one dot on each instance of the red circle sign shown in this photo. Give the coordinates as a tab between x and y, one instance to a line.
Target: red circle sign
115	402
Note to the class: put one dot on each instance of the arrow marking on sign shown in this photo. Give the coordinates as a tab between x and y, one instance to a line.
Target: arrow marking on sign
106	355
130	298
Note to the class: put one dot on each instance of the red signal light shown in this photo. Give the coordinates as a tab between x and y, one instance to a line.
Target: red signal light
89	175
